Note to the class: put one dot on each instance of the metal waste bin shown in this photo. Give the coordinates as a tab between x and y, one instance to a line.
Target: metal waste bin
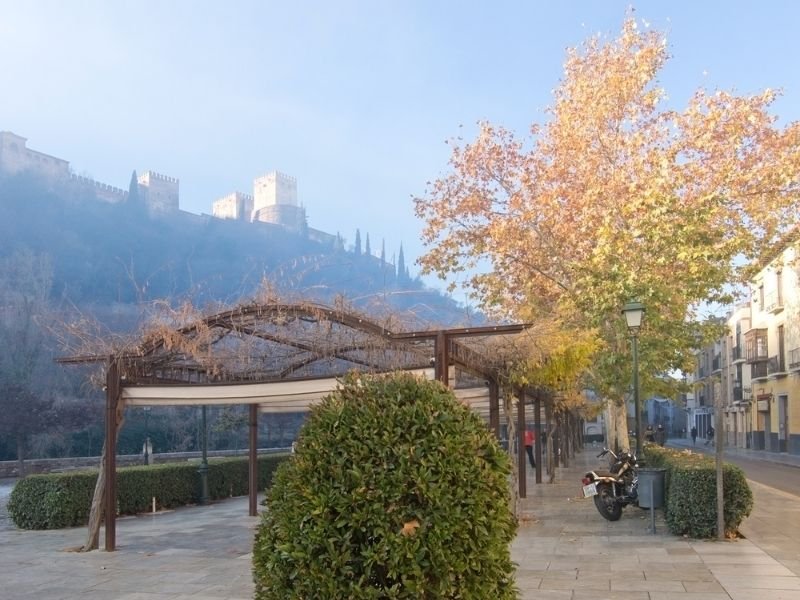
651	488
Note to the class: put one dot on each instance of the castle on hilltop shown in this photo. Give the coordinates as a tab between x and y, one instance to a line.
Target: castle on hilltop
274	198
159	193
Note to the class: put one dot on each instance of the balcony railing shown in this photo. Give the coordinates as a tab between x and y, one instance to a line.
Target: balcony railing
776	365
794	358
758	370
715	363
737	392
736	353
773	303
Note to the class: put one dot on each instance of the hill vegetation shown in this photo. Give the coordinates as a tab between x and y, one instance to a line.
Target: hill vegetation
110	261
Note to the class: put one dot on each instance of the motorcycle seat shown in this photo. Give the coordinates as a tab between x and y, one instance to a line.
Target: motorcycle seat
604	474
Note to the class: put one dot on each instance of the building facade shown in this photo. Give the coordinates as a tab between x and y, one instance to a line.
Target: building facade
752	373
772	351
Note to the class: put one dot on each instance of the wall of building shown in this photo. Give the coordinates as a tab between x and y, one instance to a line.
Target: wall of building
16	157
238	206
291	217
274	189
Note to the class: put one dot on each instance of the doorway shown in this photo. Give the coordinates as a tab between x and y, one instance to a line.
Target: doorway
783	422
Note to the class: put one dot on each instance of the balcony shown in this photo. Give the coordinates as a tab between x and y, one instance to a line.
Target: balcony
737	391
758	370
715	364
755	345
776	366
794	359
773	303
737	353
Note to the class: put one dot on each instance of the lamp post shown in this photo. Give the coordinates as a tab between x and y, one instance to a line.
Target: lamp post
146	435
634	311
203	469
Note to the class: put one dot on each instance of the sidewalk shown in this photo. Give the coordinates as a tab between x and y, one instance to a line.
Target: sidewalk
564	549
781	458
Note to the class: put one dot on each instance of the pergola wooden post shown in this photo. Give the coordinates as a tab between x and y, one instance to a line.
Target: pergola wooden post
112	406
537	420
521	466
494	407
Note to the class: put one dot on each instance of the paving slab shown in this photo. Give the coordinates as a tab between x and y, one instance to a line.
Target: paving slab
564	550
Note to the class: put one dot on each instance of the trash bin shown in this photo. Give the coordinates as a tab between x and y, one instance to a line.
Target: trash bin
654	478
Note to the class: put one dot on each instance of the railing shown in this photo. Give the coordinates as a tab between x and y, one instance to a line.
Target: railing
737	392
758	370
736	353
715	364
773	303
775	365
794	358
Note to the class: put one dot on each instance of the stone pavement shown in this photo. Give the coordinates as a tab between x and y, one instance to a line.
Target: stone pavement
567	550
564	549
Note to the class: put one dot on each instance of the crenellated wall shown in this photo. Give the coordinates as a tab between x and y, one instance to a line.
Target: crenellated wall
103	191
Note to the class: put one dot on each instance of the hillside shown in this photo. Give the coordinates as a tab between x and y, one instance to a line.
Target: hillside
106	254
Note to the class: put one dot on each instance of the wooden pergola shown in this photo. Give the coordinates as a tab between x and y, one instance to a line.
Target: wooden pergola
284	357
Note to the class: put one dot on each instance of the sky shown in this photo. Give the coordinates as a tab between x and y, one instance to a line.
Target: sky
353	98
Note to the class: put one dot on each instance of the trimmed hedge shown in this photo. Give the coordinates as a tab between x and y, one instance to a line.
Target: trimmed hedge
62	500
396	490
691	492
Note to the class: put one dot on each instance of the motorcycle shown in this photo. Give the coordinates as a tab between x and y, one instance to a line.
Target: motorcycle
616	488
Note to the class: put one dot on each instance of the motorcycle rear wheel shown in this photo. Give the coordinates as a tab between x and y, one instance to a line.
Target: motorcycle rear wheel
606	504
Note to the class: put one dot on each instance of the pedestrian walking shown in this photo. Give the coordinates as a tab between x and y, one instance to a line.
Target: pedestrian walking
709	435
529	439
694	435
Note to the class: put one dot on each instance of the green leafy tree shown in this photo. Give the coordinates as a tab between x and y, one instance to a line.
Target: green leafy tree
616	197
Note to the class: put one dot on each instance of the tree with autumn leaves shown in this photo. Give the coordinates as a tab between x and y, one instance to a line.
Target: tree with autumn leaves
617	196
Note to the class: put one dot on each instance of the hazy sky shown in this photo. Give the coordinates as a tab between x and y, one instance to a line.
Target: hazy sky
355	99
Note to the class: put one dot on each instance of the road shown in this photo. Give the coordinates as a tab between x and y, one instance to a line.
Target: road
781	477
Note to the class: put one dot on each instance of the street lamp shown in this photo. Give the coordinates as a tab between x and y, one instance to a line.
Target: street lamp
203	469
634	311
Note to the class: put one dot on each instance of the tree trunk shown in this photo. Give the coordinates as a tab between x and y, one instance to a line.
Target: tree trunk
617	426
96	512
508	409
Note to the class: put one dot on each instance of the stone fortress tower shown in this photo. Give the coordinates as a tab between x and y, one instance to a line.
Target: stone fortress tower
237	206
274	200
159	192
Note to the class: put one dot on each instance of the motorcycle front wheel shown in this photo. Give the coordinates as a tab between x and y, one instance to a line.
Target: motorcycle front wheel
606	504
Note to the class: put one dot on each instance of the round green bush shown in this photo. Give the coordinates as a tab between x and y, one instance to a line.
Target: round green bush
396	490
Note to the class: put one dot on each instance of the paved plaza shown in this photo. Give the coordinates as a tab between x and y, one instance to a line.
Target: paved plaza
564	550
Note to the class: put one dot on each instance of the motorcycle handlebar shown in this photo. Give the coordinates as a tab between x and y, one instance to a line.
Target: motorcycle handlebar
603	453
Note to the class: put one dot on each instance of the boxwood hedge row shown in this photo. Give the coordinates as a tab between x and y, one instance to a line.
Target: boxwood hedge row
691	492
63	499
